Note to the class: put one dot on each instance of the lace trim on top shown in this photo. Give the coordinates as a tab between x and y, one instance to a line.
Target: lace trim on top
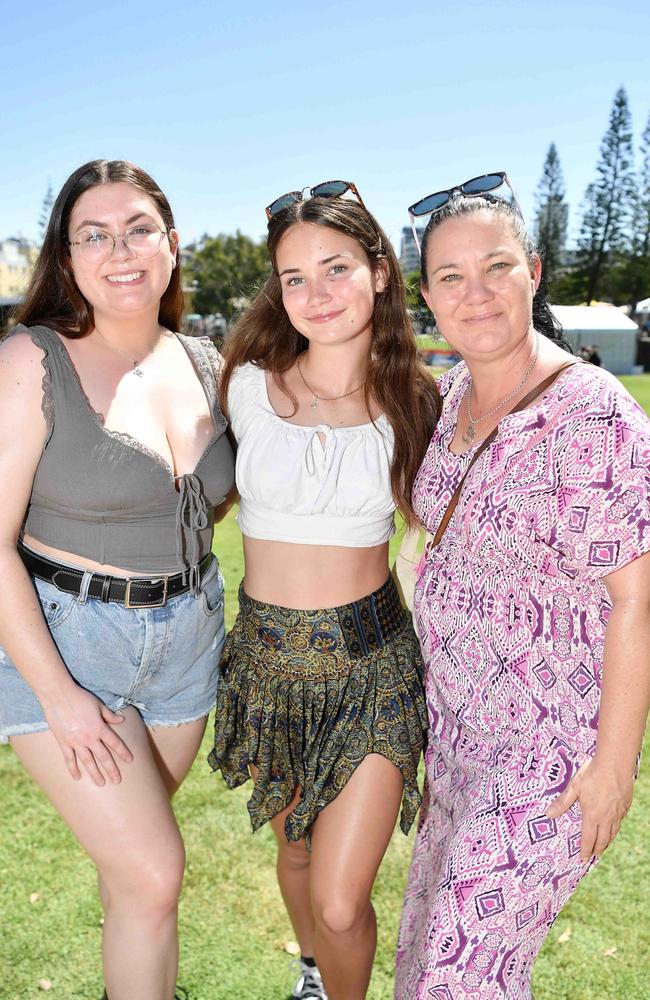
206	373
121	436
47	399
192	513
207	363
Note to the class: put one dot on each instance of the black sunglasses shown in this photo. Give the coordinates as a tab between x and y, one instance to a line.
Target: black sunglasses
328	189
475	187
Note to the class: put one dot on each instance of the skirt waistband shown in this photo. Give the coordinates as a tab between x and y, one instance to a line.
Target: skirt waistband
347	632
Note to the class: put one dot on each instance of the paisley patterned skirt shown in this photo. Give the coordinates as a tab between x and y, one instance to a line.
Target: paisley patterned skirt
306	695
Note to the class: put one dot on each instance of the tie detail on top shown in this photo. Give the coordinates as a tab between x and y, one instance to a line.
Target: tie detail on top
192	515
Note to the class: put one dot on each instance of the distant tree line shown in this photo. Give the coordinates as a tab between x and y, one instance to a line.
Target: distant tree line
221	273
611	260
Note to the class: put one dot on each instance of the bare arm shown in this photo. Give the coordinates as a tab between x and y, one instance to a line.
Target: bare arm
225	505
78	720
604	785
233	496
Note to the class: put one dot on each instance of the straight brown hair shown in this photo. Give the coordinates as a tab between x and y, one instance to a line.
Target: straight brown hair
52	298
397	381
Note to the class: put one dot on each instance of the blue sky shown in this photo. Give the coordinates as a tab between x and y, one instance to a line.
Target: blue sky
231	104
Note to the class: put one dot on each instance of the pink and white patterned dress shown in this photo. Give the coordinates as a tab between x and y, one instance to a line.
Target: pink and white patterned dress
511	611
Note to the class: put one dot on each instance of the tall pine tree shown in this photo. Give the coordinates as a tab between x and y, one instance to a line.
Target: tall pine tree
605	232
46	208
552	214
639	286
630	281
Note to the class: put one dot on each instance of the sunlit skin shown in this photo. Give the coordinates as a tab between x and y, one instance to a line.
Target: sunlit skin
166	409
109	777
480	285
115	208
328	291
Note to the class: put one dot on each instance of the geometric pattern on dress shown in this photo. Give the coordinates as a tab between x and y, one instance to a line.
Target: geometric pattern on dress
511	612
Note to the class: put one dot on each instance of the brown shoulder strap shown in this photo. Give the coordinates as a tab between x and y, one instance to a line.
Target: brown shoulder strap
521	405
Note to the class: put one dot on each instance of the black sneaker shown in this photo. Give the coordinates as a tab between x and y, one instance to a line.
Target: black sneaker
309	985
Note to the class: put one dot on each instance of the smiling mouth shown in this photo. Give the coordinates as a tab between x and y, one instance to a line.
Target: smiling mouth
481	319
325	317
124	279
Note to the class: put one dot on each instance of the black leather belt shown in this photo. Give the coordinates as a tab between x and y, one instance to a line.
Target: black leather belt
134	592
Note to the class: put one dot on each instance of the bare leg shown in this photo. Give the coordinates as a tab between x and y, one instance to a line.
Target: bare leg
349	840
292	867
173	759
173	756
130	832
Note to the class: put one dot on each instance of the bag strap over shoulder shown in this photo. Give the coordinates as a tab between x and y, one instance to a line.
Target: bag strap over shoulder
521	405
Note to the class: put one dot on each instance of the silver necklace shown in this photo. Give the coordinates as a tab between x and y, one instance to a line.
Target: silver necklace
470	432
136	369
326	399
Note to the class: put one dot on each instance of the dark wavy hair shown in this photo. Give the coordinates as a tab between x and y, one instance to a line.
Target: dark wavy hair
543	319
53	298
397	382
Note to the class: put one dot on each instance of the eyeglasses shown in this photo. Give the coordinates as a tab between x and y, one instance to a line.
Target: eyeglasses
473	188
328	189
97	245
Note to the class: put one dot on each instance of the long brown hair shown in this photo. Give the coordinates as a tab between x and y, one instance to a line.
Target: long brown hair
53	298
397	382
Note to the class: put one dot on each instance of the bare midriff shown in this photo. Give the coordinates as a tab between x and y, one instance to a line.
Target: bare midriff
58	555
307	577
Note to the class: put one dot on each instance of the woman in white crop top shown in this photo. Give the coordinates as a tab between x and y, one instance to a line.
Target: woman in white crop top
321	692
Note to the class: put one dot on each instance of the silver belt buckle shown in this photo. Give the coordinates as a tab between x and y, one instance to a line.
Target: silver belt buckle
159	604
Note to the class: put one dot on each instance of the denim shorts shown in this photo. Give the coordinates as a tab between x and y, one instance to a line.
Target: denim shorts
163	661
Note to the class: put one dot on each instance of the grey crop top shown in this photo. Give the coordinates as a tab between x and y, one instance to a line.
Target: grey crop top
104	495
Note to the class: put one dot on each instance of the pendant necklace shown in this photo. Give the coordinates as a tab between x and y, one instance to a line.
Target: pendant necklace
326	399
470	432
136	369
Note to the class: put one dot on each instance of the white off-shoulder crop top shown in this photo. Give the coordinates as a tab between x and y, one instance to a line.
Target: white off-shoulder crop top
317	485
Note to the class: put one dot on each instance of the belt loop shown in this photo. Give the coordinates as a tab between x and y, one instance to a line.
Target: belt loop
106	587
84	587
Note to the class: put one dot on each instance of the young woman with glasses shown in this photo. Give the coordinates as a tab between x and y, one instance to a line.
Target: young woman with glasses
111	603
532	607
321	690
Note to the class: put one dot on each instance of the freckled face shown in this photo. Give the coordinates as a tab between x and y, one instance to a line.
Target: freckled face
328	285
480	284
124	283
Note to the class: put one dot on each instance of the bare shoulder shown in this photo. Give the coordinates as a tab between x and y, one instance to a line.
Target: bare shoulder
20	348
21	370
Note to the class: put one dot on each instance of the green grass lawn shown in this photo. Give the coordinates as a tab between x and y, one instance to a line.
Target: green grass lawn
233	926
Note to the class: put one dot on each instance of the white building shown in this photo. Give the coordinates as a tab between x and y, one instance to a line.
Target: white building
604	327
17	258
409	255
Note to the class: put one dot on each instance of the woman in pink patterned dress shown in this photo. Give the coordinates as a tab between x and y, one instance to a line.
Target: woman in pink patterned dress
532	610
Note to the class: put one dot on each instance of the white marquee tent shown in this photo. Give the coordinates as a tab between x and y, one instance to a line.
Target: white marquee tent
605	327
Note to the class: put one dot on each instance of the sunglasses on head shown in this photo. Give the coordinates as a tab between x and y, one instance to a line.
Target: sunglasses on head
328	189
475	187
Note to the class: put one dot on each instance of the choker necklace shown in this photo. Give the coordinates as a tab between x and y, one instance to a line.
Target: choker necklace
470	433
136	369
326	399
